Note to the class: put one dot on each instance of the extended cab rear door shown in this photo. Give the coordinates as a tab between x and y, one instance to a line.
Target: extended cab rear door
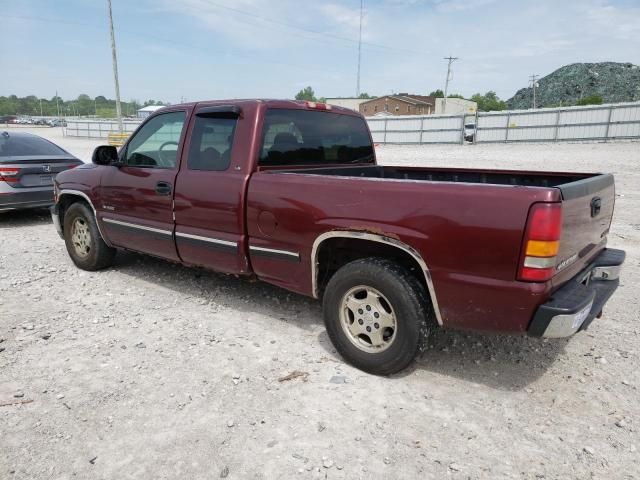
135	207
210	189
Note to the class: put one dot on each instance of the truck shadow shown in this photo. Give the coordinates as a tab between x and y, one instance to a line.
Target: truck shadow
497	361
500	362
24	218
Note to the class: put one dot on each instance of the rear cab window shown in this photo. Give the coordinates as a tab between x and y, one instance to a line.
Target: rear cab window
304	137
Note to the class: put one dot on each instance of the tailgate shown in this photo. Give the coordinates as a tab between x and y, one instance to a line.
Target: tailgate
587	209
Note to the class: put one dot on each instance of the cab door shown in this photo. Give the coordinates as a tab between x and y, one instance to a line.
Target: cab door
209	196
136	209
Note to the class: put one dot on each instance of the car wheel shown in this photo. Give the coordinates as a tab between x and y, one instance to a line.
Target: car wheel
377	315
84	243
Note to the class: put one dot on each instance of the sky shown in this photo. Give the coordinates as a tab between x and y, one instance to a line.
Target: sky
186	50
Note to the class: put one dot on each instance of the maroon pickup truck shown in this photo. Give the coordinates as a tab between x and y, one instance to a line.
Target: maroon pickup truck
290	193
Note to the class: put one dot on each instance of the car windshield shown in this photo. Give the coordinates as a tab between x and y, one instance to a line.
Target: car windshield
303	137
26	145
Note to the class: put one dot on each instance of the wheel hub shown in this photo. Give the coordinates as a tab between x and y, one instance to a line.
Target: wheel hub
81	237
368	319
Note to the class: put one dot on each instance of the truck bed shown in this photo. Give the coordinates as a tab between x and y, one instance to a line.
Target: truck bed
493	177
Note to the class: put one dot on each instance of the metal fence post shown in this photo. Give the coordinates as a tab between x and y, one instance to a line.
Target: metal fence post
384	139
606	133
421	129
475	129
462	130
506	130
555	133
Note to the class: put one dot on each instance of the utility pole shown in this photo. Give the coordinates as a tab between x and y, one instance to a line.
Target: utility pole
115	69
40	107
57	104
446	84
359	49
534	84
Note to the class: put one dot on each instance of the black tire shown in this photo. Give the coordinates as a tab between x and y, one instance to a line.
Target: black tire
406	297
98	255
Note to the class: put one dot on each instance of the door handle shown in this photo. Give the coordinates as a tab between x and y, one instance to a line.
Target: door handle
163	188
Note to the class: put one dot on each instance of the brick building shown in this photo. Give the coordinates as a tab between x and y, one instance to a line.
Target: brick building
399	104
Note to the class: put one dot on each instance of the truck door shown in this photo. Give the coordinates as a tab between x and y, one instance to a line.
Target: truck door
209	196
136	197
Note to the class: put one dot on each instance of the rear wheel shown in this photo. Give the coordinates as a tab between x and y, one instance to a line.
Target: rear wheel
84	243
377	315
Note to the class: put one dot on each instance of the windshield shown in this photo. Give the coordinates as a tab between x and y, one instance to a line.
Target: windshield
26	145
303	137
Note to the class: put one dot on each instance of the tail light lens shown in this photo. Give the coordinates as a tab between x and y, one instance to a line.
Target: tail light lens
9	174
541	242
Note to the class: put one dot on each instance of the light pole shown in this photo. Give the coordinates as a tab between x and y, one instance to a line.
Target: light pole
359	49
115	69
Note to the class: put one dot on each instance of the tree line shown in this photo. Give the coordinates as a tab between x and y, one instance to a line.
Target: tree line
83	106
486	103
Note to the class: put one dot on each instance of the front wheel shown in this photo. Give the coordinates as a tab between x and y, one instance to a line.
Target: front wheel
84	243
377	315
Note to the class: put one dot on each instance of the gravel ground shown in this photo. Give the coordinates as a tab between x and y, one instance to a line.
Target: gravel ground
150	370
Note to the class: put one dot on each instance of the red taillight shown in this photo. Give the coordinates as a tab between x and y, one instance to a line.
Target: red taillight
545	222
318	106
541	242
9	174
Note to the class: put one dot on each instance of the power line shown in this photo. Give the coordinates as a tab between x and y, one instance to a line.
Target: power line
446	84
175	42
359	49
302	29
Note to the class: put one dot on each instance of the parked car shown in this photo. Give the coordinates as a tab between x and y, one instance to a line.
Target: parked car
290	193
57	122
28	165
469	132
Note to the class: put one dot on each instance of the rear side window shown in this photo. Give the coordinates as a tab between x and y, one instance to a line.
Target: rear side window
20	145
211	143
303	137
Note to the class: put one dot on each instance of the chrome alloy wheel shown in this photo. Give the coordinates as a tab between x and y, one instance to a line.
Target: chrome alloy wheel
81	237
367	319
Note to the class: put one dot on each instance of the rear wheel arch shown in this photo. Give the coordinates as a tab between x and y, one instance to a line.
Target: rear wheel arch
334	249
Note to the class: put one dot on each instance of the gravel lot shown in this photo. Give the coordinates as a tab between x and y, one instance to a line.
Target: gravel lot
150	370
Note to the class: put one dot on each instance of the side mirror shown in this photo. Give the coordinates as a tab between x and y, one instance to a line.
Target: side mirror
105	155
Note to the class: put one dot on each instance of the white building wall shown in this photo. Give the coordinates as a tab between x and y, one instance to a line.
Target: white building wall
456	106
352	103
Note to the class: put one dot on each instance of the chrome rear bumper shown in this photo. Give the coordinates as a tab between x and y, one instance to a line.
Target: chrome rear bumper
577	303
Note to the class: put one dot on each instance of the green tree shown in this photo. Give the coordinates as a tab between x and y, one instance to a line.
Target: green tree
590	100
365	95
489	102
306	93
437	93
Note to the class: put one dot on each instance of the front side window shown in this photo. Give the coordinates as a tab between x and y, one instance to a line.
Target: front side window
155	145
211	143
304	137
